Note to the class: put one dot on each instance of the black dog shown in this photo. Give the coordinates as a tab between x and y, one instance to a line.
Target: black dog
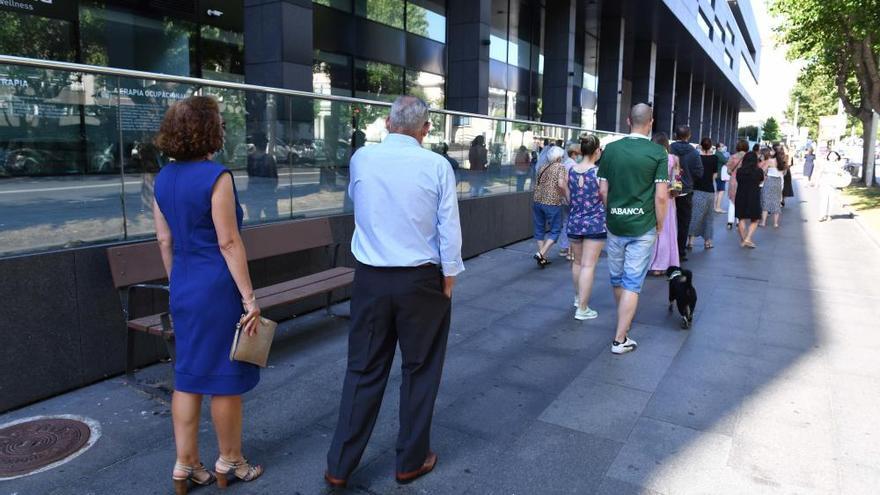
683	293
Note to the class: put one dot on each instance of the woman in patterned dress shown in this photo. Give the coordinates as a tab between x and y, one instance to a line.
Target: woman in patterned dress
586	223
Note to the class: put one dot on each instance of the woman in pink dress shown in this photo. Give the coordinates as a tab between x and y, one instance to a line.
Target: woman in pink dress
666	248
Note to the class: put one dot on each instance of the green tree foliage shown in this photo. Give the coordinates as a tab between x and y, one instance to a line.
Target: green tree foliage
816	96
771	129
840	39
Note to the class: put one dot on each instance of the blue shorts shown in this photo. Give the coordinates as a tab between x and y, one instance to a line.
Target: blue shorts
628	259
720	185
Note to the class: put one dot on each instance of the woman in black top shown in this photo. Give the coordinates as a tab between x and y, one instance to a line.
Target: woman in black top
748	197
704	196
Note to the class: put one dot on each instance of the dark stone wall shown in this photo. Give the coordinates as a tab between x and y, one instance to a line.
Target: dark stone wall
62	322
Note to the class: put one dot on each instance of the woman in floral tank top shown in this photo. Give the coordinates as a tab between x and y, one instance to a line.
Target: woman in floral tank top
586	223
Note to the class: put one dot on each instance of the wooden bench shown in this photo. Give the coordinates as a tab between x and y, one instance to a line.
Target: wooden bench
139	266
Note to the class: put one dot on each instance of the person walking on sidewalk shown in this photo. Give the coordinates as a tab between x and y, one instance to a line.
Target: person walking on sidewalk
633	183
702	221
547	205
742	147
666	249
691	168
771	193
586	223
407	243
723	176
572	157
748	198
198	217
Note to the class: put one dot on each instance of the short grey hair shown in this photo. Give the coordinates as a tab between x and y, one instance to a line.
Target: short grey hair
555	154
408	113
641	115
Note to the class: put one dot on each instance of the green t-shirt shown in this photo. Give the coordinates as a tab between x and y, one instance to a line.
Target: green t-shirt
632	165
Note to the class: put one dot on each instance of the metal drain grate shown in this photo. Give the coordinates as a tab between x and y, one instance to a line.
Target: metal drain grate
28	446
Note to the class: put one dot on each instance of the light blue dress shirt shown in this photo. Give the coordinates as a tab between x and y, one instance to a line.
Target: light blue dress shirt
405	207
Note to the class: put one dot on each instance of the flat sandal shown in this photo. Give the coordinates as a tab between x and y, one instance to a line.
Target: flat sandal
181	485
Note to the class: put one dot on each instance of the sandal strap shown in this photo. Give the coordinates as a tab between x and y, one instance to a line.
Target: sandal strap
192	471
253	470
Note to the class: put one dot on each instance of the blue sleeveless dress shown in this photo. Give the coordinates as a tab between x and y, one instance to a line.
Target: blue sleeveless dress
205	302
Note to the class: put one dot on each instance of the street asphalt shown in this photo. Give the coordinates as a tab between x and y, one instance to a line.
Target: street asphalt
775	389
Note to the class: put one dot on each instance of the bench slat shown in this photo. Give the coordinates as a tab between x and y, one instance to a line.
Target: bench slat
271	296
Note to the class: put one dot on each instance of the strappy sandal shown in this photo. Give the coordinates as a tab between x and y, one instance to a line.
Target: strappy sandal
240	469
708	245
197	474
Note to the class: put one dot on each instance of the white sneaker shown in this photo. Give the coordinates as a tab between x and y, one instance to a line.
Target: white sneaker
627	345
587	314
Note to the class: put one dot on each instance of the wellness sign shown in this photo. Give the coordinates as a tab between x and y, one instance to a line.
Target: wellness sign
59	9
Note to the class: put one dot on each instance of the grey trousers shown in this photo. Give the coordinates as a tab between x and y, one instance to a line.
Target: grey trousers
391	306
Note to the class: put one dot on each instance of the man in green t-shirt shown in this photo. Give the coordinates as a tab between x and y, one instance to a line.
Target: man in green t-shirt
633	182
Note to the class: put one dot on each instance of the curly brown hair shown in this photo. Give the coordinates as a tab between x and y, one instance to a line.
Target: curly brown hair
192	129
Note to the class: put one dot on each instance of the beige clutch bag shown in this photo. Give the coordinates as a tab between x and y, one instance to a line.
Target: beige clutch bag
253	349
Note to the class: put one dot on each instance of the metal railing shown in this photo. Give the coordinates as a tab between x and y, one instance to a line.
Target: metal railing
77	161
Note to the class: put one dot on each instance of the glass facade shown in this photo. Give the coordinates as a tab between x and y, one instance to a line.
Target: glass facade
703	23
136	35
516	42
78	162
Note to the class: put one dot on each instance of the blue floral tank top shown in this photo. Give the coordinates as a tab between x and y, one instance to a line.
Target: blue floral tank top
586	214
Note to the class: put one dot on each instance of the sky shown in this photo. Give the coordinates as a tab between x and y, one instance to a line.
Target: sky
776	74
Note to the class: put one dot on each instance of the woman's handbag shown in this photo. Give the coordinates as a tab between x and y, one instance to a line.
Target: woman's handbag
253	349
840	179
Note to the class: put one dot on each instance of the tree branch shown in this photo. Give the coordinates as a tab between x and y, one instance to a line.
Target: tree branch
871	61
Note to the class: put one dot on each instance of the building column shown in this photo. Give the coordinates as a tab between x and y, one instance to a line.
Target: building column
467	82
664	95
698	98
709	116
683	86
719	105
734	119
559	61
644	72
610	88
278	46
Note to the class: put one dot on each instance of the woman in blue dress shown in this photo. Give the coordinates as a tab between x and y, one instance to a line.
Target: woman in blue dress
198	219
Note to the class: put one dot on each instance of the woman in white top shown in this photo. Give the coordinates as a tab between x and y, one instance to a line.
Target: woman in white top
828	173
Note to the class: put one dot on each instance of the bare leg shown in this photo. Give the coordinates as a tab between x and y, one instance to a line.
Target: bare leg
617	293
577	248
776	219
741	228
763	219
226	414
590	255
185	412
753	226
548	243
626	311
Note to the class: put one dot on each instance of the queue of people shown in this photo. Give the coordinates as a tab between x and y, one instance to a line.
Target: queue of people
636	198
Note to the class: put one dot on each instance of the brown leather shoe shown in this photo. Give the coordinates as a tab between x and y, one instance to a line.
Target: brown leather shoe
427	467
334	482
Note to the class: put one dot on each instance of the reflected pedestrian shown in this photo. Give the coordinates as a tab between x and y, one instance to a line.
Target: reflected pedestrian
262	170
633	179
522	164
478	159
586	223
407	243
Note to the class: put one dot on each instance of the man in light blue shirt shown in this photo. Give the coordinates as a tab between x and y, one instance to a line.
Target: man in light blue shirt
407	242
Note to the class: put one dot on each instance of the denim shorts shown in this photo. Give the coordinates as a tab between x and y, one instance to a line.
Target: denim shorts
628	259
547	216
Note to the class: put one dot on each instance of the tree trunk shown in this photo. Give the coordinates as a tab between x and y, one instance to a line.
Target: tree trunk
869	138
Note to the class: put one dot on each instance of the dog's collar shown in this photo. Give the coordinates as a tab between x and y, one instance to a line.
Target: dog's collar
675	274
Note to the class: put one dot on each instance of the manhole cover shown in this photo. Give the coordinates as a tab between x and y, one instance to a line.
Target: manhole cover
31	445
